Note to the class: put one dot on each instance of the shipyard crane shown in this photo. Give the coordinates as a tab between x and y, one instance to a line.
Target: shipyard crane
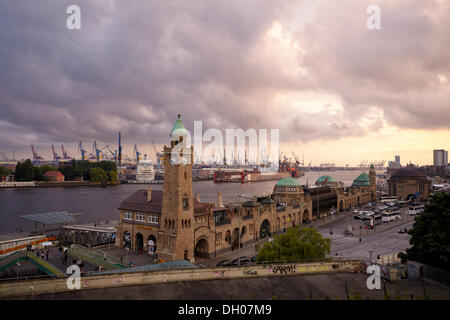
36	158
296	159
138	154
82	151
56	157
98	152
119	154
65	156
113	153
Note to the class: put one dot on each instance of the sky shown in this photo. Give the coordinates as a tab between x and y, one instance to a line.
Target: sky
337	91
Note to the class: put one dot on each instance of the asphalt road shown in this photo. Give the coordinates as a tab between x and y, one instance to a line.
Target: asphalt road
384	239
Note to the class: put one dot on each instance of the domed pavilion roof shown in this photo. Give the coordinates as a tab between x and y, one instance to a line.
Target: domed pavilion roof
362	180
287	182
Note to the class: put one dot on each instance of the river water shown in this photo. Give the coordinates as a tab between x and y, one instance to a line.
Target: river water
99	204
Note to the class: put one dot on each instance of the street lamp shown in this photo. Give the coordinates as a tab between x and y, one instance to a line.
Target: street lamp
239	239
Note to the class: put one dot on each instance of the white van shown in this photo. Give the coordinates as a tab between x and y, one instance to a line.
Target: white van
391	216
415	210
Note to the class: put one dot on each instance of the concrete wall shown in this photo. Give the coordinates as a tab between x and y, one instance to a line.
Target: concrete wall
22	288
18	184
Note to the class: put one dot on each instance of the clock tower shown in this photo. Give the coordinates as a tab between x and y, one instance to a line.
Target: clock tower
176	233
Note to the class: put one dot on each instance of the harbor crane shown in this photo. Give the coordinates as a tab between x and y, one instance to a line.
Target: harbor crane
36	158
296	159
82	151
56	157
138	154
113	153
65	156
98	152
119	154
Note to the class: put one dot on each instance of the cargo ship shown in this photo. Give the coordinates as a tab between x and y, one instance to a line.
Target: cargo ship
285	170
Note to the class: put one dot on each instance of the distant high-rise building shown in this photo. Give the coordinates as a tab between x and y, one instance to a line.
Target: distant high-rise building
440	158
395	164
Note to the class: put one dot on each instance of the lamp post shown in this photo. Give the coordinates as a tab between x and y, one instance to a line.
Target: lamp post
239	239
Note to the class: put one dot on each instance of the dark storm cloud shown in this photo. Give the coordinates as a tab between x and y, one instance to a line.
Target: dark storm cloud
136	64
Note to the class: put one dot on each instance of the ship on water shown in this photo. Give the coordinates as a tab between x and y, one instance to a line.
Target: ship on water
285	169
145	172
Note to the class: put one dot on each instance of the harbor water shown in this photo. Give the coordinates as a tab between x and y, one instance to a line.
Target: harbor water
100	204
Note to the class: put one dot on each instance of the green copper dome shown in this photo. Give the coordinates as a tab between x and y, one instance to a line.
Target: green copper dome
287	182
179	127
362	180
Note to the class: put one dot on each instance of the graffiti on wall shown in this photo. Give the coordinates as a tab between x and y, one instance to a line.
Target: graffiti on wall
250	272
281	269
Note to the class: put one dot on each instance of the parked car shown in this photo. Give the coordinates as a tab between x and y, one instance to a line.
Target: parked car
242	261
253	259
404	230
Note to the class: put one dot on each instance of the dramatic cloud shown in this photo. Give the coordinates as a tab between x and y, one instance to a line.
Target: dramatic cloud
313	70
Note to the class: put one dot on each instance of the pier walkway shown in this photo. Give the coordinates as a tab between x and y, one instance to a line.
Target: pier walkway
96	257
17	257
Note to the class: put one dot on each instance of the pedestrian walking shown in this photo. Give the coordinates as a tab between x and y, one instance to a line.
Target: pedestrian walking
104	257
65	258
46	254
60	251
37	253
42	254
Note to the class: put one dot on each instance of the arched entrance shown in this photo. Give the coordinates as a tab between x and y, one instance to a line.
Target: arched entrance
357	201
139	242
305	216
372	197
201	248
151	244
126	240
264	231
341	205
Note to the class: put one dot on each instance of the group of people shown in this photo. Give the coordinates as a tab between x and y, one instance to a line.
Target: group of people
63	255
99	268
42	253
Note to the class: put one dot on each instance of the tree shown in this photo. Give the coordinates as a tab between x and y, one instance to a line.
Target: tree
24	171
97	175
112	176
295	244
4	171
430	235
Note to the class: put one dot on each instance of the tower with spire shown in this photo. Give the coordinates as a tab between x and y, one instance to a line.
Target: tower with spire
176	235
